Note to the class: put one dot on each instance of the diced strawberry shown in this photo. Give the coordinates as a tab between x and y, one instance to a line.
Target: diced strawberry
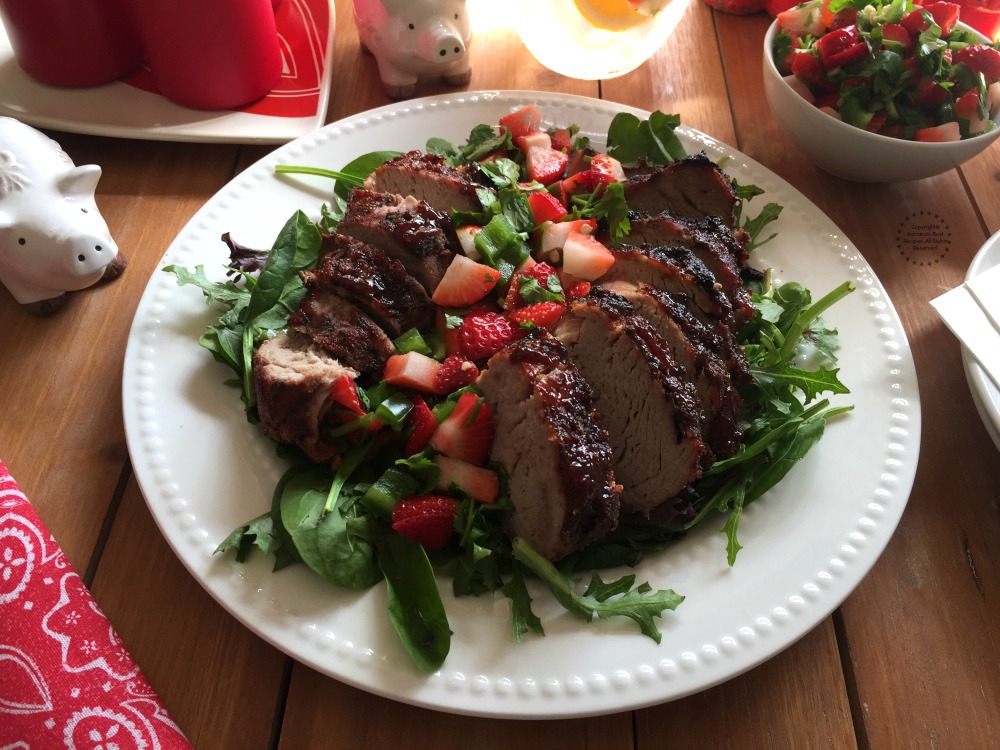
412	370
945	15
562	140
523	121
480	483
578	290
456	372
586	257
877	122
344	391
980	58
603	170
827	101
841	18
540	139
807	67
554	235
929	93
841	47
464	283
540	314
993	94
575	183
545	207
896	32
540	272
802	21
466	433
482	335
448	335
420	425
428	520
467	239
946	132
800	87
545	165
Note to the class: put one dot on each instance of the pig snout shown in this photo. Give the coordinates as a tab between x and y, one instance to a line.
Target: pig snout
440	43
91	254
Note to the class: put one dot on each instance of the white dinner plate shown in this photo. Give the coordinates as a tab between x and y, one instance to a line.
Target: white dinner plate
133	107
807	544
985	394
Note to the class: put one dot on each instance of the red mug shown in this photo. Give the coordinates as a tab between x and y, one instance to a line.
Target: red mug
210	54
71	42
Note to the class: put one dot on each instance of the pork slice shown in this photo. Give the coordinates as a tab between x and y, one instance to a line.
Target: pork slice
676	270
552	445
292	376
367	277
408	230
703	365
343	330
431	179
693	186
651	411
709	240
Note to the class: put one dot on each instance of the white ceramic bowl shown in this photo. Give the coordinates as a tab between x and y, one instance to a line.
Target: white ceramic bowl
855	154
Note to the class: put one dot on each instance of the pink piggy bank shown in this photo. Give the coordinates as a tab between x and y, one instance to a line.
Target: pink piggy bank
53	239
414	38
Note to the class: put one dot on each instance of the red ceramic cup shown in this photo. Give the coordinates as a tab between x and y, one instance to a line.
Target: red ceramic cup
210	54
71	42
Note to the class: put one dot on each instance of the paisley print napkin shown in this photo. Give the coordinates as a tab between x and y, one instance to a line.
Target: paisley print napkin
66	680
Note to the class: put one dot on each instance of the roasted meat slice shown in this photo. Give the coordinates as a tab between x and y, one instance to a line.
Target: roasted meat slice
552	445
709	240
343	330
650	409
703	365
292	376
431	179
676	270
693	186
367	277
408	230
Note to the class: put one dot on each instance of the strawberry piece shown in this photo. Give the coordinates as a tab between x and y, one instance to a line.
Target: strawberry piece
480	483
540	272
420	425
554	235
465	282
466	433
545	207
980	58
808	67
483	334
944	133
524	142
562	140
522	121
586	257
578	290
412	370
545	165
344	391
456	372
540	314
428	520
603	171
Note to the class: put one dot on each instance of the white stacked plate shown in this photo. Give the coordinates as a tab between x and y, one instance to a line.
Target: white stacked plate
984	391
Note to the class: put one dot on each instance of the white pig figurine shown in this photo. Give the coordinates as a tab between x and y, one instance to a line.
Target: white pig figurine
53	239
414	38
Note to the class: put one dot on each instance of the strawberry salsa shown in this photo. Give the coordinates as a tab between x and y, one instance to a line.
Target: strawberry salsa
413	492
899	69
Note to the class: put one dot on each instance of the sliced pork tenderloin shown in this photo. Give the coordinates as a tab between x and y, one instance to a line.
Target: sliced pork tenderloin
431	179
676	270
693	186
343	330
292	376
709	240
650	409
551	442
365	276
703	365
408	230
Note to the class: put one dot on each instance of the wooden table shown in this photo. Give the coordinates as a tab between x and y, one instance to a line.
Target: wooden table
911	659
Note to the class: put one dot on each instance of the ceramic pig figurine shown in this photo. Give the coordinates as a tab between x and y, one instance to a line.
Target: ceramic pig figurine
414	38
53	239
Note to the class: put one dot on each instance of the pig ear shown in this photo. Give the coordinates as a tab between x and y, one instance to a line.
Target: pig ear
79	180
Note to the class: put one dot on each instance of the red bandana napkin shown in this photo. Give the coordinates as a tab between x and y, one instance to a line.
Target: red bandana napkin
66	680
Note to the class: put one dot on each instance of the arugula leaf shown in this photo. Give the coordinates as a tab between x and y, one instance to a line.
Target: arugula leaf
615	599
631	140
258	533
523	619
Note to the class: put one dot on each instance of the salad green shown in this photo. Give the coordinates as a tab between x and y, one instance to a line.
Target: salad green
337	522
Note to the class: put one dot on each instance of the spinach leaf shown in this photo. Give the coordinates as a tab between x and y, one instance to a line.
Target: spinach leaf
631	140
